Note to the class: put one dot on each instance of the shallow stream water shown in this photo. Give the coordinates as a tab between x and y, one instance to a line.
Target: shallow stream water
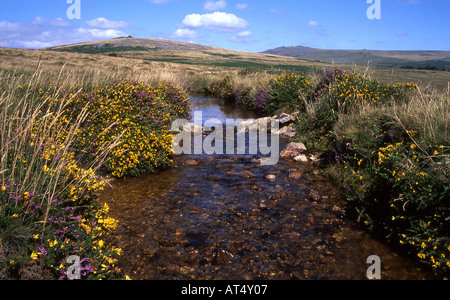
218	217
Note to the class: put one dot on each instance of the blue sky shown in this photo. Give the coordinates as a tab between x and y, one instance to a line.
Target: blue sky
249	25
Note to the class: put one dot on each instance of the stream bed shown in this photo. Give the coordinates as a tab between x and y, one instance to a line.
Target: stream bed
218	218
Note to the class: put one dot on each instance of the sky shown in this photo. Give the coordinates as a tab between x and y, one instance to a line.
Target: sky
246	25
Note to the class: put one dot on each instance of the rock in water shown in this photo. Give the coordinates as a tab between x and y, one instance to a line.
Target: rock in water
295	175
222	257
271	178
301	158
191	162
293	150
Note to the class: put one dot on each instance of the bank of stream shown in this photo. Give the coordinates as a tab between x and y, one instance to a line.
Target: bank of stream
218	217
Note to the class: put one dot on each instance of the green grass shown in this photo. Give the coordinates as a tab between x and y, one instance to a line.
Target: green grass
102	49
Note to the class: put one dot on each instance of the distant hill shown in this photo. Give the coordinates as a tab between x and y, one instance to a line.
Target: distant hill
425	60
158	50
128	44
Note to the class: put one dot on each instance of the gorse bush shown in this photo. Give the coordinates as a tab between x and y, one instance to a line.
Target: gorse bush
393	165
53	143
224	88
402	193
136	114
45	197
290	91
339	94
345	91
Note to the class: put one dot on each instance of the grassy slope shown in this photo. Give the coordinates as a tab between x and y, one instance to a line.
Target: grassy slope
186	53
144	59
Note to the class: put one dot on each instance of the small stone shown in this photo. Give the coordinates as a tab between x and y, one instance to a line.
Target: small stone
293	150
221	256
301	158
286	118
246	174
297	275
290	133
191	162
315	197
295	175
263	205
336	209
271	178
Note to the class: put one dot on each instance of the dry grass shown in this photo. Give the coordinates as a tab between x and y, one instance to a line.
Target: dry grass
31	130
428	111
187	65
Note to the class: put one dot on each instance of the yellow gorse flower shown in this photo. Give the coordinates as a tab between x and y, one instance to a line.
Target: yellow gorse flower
34	256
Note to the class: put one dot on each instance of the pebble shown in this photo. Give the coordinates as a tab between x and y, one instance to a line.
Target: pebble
301	158
191	162
295	175
271	178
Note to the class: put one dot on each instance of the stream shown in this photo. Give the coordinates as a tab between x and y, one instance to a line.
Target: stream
217	217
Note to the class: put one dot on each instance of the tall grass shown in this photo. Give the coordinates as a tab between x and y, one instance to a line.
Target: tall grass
58	131
428	112
39	171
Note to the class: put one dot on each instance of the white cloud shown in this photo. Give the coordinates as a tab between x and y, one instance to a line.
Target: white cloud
313	24
59	22
215	5
38	21
244	33
241	6
185	34
35	44
277	12
90	34
219	21
42	33
106	24
242	37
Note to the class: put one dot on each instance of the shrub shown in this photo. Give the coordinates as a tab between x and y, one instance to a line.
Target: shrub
224	88
397	180
388	149
138	115
242	96
289	91
52	143
406	199
46	198
344	92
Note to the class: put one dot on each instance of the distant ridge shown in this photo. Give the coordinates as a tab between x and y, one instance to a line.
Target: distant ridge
189	54
132	42
428	60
